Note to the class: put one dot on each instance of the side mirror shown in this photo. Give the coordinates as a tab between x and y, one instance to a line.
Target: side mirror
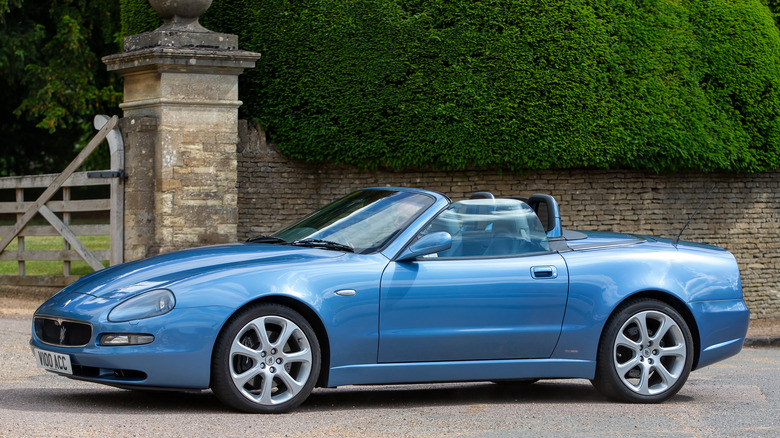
429	244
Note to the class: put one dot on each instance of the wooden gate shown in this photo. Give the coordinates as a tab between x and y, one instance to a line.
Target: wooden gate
58	214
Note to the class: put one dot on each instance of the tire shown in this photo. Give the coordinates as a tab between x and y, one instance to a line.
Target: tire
645	353
266	360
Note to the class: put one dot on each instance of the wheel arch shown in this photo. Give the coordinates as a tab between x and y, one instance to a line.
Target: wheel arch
311	317
670	300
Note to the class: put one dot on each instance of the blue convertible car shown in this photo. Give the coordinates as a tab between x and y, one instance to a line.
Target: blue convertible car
391	285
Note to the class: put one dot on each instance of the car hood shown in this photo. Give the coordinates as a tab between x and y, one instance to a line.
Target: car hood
161	271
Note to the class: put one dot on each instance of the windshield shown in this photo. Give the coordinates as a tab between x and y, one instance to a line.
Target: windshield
365	220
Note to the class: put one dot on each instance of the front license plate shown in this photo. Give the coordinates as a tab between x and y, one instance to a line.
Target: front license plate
53	361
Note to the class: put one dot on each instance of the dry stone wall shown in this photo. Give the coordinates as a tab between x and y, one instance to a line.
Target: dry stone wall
741	214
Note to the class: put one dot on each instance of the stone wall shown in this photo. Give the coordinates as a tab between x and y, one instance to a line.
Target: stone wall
741	214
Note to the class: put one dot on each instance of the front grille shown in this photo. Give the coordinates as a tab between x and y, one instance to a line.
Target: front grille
62	332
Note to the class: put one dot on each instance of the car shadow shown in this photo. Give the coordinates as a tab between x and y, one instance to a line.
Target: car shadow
451	394
110	400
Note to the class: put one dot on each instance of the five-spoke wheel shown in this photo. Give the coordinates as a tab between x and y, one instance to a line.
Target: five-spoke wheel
267	359
645	354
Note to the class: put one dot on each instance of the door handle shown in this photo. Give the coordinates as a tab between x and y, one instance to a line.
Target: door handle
540	272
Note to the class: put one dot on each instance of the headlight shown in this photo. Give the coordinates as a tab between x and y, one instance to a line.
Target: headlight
148	304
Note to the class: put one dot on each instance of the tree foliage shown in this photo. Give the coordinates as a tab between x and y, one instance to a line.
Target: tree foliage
52	81
516	84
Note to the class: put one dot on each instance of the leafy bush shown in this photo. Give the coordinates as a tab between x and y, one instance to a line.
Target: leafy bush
513	84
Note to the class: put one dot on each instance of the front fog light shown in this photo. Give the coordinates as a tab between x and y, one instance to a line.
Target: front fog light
153	303
126	339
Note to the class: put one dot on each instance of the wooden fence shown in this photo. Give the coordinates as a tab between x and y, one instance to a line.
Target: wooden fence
58	213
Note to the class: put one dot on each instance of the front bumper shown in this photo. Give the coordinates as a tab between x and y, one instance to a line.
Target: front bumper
179	357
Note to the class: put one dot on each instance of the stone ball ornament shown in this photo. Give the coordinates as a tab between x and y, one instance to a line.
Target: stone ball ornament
181	14
180	8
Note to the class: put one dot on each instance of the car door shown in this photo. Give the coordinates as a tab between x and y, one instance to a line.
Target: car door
476	309
479	305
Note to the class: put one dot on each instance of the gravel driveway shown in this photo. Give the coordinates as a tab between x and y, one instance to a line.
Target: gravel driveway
736	397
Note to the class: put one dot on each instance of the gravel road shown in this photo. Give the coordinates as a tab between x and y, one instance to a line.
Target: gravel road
737	397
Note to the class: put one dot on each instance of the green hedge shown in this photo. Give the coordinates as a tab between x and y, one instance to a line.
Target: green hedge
513	84
774	6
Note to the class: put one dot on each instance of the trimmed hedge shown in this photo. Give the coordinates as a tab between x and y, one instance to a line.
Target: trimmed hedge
137	17
774	6
512	84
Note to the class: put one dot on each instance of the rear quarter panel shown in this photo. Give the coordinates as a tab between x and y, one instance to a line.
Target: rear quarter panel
698	276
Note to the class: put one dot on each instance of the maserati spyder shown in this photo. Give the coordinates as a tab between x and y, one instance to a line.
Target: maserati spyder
396	285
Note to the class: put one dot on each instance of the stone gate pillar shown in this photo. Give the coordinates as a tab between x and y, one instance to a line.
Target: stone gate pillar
181	130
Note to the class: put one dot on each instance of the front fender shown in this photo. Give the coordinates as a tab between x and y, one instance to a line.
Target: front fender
351	318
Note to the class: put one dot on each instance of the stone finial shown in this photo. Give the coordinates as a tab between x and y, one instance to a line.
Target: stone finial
181	14
181	29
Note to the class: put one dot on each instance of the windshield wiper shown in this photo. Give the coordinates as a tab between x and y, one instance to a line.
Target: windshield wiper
324	244
262	238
